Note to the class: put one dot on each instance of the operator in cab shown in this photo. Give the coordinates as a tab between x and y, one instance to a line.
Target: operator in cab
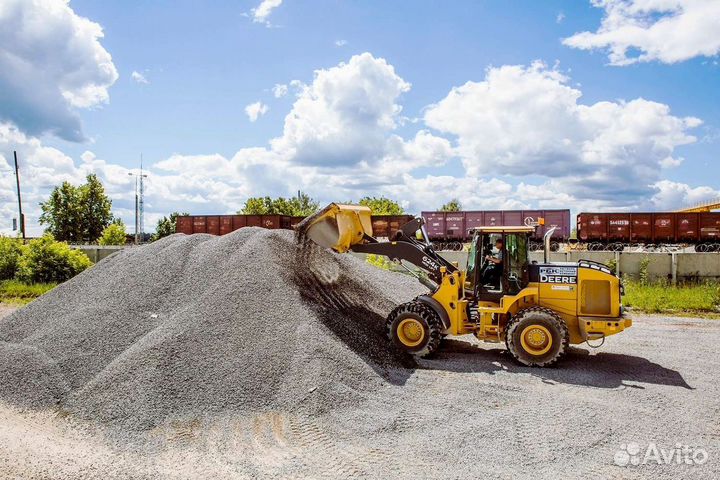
493	272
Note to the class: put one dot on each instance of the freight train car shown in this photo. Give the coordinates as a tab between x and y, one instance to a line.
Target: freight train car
383	225
448	230
615	231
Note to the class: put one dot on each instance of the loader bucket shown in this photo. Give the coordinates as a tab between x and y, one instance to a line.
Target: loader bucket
337	226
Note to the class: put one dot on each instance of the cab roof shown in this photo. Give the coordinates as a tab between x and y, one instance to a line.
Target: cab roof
505	229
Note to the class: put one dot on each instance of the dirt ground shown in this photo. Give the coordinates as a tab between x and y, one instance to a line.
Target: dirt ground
469	413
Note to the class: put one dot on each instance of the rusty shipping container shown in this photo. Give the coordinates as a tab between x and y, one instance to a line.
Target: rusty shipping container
383	225
649	228
709	226
686	227
457	226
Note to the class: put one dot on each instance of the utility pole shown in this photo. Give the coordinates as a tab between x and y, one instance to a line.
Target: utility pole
139	203
137	216
22	216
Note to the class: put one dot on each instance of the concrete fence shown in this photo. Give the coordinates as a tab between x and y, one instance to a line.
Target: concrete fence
675	267
97	252
660	266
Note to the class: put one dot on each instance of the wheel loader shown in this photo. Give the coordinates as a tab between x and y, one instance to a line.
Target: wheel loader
536	309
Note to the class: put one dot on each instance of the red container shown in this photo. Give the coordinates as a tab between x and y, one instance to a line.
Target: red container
493	218
664	227
239	221
380	227
513	218
272	222
295	220
474	220
618	227
386	226
709	223
555	218
199	224
184	225
592	227
455	225
435	224
213	225
254	220
686	227
641	227
226	224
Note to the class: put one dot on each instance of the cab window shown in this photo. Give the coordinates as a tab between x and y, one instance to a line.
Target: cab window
517	255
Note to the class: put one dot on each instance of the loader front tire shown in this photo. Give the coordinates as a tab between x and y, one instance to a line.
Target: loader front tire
537	337
415	328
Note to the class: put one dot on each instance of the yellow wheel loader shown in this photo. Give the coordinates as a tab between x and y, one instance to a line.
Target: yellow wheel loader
537	309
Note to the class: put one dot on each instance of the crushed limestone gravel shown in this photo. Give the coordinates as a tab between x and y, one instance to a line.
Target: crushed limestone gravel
253	356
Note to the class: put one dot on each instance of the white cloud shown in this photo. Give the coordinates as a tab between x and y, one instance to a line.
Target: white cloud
51	63
673	195
256	110
280	90
668	31
139	78
522	137
560	17
528	121
345	116
261	13
340	43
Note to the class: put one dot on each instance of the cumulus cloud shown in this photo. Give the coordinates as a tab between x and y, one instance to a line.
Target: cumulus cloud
340	43
673	195
261	13
196	183
668	31
256	110
51	63
521	138
345	116
139	78
280	90
528	121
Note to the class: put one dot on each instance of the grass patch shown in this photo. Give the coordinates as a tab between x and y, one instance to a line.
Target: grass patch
663	298
13	291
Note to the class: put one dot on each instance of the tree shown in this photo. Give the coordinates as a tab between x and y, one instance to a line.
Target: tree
382	206
77	214
453	205
96	208
166	226
62	214
300	206
114	234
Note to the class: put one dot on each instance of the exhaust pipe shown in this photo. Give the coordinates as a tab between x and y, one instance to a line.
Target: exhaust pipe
546	242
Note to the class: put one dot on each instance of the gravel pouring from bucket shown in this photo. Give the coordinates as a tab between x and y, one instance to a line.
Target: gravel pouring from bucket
337	226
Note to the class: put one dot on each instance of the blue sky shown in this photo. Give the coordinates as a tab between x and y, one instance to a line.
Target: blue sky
201	66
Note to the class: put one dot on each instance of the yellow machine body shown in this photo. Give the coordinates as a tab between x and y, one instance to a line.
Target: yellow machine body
591	309
538	309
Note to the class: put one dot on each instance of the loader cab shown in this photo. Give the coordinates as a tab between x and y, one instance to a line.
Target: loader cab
489	283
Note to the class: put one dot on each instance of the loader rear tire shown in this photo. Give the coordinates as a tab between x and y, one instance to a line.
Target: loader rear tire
415	328
537	337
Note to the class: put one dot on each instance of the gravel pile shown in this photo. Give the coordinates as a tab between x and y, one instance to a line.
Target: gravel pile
192	326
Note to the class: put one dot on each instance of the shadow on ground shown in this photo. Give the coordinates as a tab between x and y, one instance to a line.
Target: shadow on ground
578	367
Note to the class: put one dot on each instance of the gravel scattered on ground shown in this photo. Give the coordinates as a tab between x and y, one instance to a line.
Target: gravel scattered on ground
197	325
249	356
